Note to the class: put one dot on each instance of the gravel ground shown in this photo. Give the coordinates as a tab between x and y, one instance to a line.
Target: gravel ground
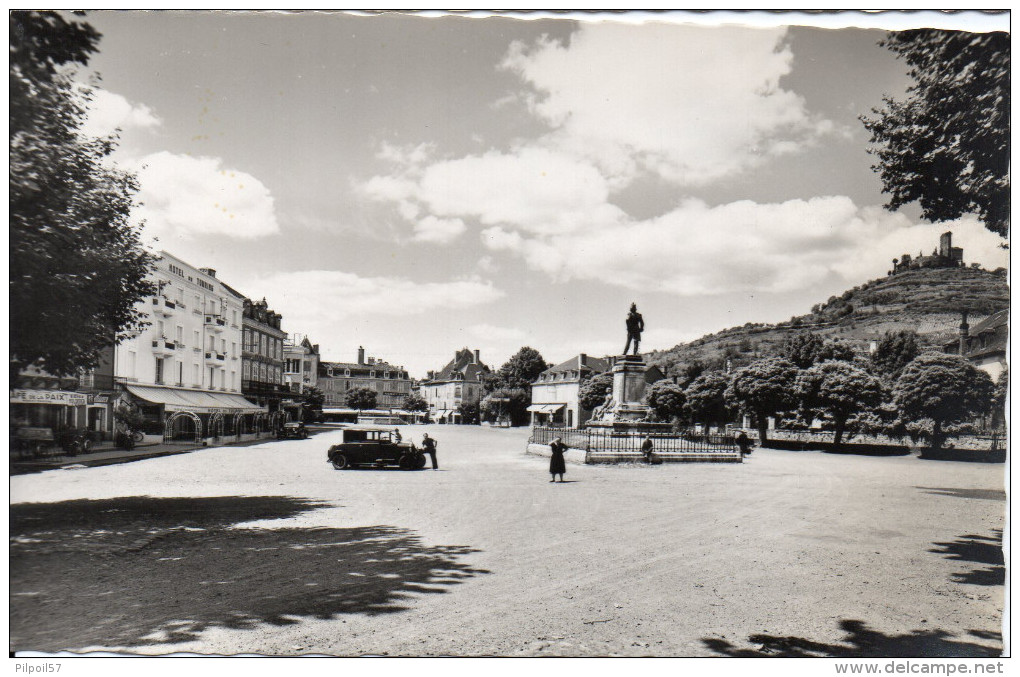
266	549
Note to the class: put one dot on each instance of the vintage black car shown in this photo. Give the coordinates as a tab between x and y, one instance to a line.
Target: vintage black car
292	431
374	446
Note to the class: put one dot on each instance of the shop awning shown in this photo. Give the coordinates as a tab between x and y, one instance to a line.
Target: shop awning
334	410
196	401
548	408
61	397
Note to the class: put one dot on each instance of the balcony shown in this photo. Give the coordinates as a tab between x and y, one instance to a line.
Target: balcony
162	346
214	359
164	306
215	322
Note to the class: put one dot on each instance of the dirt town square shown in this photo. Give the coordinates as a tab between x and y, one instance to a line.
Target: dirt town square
267	549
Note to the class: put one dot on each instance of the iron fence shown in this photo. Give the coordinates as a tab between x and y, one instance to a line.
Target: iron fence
682	441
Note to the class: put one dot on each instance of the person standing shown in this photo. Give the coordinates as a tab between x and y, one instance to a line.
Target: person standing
428	445
744	442
557	464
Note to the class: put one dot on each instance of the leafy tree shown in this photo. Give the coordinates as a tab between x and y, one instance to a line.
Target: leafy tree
945	389
690	371
999	396
947	145
840	390
312	400
762	389
807	348
706	398
509	403
469	412
77	266
520	371
895	351
592	392
665	400
415	403
360	398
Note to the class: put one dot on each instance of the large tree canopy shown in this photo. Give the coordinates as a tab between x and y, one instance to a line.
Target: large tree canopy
520	371
76	264
947	145
592	392
360	398
764	388
666	400
706	398
840	390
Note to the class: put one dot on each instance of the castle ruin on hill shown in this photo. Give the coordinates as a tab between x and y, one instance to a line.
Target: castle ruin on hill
946	256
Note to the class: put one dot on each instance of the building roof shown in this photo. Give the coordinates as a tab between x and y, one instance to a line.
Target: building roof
988	337
595	364
463	364
375	366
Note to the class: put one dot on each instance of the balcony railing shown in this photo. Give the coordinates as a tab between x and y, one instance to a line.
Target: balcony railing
215	322
215	358
164	306
163	347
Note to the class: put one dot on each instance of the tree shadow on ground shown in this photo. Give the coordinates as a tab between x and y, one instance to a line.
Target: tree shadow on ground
137	570
983	494
860	642
979	550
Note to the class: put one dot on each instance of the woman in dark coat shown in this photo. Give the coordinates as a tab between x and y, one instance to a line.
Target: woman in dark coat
557	466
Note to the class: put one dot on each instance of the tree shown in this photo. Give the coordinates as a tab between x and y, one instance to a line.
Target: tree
507	403
665	400
312	400
762	389
469	412
77	267
360	398
945	389
706	398
893	352
520	371
592	392
415	403
947	145
807	348
840	390
999	397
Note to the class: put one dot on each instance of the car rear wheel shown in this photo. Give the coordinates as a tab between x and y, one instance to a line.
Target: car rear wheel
339	462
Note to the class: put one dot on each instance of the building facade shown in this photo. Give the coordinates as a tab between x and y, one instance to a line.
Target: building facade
262	364
555	394
985	344
459	383
300	364
185	366
390	383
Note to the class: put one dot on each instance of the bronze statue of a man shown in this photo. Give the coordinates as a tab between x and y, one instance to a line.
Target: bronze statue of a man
635	325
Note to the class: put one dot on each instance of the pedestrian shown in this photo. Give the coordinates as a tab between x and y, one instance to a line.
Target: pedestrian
646	448
557	465
744	443
428	445
397	437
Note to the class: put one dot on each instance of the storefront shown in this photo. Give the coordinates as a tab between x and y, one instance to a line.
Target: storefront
191	415
54	409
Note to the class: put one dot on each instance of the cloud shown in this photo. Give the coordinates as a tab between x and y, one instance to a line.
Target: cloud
433	229
184	197
494	334
692	104
107	112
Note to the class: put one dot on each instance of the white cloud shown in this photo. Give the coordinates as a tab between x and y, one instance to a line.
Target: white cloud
107	112
441	231
692	104
184	197
496	334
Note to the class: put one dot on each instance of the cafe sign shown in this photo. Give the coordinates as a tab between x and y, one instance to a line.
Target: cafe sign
21	396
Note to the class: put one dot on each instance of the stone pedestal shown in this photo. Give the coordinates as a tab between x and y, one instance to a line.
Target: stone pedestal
627	410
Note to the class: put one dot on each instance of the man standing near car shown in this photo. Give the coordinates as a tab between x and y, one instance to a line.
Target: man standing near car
428	445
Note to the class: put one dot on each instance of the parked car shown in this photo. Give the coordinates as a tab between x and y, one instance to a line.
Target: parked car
292	431
374	446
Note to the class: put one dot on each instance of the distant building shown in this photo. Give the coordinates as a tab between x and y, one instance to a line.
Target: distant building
300	364
456	384
390	383
946	256
262	355
984	345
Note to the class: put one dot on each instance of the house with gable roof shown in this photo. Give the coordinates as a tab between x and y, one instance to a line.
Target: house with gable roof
456	384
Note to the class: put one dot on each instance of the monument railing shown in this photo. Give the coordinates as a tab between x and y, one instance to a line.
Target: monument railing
682	441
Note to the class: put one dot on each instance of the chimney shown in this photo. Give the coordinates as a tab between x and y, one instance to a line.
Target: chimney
211	272
964	333
361	355
478	359
371	360
432	374
582	360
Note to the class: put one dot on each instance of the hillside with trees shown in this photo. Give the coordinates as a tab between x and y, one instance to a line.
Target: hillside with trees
925	301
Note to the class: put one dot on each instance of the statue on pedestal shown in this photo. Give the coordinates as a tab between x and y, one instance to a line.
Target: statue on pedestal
635	325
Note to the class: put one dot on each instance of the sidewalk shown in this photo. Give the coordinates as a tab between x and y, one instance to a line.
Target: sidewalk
107	454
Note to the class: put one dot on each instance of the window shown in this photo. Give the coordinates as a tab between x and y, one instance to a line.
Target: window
246	370
223	346
212	378
160	329
198	341
180	334
159	370
233	349
180	373
233	380
235	316
132	359
196	377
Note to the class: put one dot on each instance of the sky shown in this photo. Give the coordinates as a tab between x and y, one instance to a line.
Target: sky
420	184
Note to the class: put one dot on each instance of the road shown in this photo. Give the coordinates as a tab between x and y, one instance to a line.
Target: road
266	549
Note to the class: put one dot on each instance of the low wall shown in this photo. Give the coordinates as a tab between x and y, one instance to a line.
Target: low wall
823	440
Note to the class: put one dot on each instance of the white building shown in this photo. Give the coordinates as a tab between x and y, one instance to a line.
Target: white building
458	383
188	359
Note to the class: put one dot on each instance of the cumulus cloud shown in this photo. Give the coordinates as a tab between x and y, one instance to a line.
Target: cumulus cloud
107	112
433	229
183	197
692	104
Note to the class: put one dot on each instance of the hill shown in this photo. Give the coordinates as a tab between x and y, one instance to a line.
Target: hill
928	301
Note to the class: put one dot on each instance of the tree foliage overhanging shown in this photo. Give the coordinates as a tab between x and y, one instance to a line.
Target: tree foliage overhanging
77	266
947	145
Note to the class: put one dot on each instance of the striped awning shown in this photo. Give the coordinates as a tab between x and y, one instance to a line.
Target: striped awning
547	408
196	401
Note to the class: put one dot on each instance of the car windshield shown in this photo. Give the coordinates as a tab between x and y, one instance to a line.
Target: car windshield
366	436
